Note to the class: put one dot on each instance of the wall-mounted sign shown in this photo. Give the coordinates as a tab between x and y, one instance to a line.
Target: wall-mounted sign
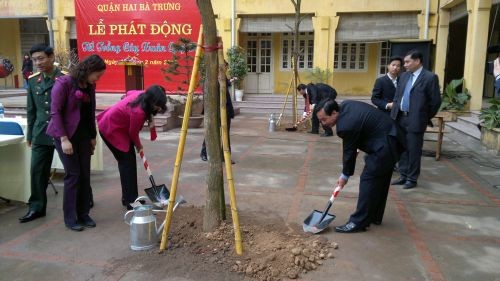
134	31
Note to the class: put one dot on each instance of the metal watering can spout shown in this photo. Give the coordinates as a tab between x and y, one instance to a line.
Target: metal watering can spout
179	201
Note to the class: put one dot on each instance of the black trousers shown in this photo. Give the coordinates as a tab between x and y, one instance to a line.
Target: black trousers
76	201
374	187
315	124
409	164
204	146
127	168
41	160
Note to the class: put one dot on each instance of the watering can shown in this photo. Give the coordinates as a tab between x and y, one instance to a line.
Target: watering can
144	233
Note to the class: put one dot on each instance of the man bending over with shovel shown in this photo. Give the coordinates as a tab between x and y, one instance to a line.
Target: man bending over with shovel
363	127
314	94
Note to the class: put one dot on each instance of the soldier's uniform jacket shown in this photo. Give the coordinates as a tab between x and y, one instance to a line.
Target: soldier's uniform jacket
39	91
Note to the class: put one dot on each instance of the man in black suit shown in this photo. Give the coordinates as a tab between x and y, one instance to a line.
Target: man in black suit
363	127
496	73
230	115
313	94
417	100
385	86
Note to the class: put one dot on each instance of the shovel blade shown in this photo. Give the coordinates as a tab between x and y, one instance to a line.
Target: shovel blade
314	224
157	193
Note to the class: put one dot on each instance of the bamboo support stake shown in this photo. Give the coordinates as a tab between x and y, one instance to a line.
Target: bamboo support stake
284	104
182	142
227	153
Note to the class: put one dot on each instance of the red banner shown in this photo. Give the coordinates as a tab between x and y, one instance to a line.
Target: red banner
134	30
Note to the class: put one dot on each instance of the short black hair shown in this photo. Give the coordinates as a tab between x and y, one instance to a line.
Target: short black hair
301	87
328	105
415	54
42	48
398	58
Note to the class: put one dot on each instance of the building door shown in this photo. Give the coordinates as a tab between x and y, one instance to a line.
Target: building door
259	59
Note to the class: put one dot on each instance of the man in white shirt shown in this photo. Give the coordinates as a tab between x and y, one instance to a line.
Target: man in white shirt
385	86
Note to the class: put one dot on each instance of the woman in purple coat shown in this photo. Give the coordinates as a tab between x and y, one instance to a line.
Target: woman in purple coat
73	127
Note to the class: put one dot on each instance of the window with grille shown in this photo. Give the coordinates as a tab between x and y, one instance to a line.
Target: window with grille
350	57
306	49
385	49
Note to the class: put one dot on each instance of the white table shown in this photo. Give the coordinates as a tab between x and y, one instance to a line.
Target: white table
10	139
15	159
15	162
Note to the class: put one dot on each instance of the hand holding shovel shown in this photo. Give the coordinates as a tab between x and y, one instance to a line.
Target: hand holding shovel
304	118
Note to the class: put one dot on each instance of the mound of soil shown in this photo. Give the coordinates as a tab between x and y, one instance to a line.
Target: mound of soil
271	251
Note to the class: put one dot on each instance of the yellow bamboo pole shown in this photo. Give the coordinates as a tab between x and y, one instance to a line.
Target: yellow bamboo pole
182	142
227	153
284	104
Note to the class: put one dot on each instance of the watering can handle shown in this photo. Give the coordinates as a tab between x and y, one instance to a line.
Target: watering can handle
127	221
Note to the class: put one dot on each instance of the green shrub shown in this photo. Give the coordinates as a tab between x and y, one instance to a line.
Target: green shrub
490	117
453	100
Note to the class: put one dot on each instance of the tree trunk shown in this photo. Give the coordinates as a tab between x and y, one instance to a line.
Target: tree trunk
215	183
295	57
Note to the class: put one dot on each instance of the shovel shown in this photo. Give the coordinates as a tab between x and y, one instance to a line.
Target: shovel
155	193
318	221
294	128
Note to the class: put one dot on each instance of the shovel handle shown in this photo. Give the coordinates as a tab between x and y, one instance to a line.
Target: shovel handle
145	163
335	193
148	170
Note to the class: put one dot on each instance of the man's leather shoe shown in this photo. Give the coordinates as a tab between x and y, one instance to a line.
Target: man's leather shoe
409	185
377	222
87	221
326	135
75	227
349	227
399	181
203	157
313	132
31	215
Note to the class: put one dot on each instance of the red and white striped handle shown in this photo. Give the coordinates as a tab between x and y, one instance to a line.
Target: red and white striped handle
335	193
145	162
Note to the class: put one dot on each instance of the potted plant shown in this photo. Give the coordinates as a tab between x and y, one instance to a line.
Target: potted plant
237	61
178	70
453	101
490	125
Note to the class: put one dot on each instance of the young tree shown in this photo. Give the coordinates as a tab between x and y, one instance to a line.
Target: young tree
295	55
214	201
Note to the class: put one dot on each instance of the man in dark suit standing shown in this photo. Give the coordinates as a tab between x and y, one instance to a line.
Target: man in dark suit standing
313	94
385	86
417	100
496	73
363	127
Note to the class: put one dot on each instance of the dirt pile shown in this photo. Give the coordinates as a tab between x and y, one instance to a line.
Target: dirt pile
271	250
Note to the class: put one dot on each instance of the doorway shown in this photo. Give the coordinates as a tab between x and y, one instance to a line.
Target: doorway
259	79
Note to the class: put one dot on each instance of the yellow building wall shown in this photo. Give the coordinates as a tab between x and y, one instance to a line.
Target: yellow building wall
325	22
10	47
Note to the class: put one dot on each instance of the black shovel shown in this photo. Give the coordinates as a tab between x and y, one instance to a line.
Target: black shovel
155	193
318	221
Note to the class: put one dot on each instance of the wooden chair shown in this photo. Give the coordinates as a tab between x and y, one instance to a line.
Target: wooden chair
438	129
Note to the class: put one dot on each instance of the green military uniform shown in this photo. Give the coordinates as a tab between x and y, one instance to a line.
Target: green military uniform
42	146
